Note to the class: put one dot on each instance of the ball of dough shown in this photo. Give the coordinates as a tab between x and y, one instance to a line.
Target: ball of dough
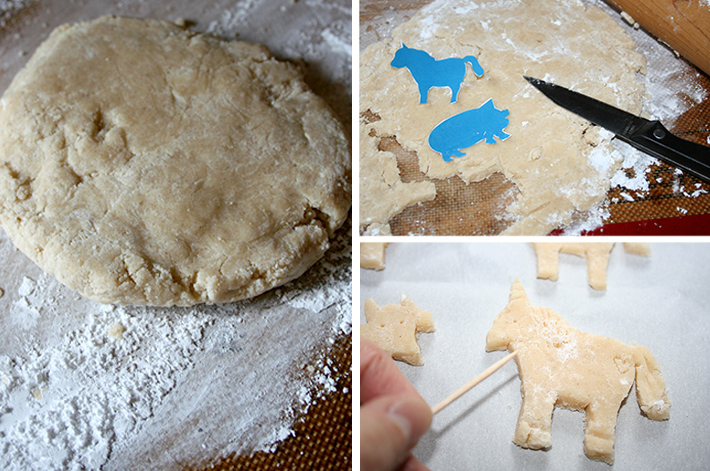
142	163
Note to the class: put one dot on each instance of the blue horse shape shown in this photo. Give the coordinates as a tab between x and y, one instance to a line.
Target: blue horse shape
429	72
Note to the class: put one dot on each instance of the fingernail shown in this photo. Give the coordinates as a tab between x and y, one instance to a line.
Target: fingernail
412	416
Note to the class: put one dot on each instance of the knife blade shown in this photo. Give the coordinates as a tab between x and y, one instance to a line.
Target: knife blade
647	136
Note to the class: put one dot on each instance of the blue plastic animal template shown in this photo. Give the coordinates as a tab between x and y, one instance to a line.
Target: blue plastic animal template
429	72
468	128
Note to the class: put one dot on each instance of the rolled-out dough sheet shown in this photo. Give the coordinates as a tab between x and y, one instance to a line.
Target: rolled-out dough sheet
658	302
561	163
385	195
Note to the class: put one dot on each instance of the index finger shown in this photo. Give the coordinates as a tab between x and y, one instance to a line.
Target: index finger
379	375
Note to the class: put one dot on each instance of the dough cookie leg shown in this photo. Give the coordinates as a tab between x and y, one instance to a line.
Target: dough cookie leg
535	421
599	431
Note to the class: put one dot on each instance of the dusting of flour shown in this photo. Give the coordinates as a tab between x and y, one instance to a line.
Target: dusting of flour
194	382
665	77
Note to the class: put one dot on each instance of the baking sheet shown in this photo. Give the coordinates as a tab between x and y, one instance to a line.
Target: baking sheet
644	190
659	302
182	387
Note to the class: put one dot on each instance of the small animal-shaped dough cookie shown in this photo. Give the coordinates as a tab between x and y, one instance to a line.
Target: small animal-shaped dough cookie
562	366
597	255
372	255
396	327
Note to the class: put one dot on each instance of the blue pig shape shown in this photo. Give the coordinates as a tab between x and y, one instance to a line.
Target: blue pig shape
468	128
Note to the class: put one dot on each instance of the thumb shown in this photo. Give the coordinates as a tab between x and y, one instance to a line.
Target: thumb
390	426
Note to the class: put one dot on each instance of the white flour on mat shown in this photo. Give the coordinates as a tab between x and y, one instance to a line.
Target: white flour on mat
94	387
666	75
9	7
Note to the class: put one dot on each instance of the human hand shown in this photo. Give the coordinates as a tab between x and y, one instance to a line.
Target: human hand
393	416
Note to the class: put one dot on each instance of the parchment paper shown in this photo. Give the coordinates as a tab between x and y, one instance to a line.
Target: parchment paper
659	302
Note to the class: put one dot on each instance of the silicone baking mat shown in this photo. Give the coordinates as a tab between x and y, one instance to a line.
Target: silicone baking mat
322	438
673	204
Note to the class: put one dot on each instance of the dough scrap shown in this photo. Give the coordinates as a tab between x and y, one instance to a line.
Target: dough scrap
560	163
596	253
116	331
562	366
372	255
383	194
395	328
143	163
638	248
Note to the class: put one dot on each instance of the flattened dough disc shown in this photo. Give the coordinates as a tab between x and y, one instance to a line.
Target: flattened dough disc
142	163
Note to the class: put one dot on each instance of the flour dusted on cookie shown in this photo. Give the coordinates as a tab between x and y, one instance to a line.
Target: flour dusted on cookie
562	366
561	164
395	328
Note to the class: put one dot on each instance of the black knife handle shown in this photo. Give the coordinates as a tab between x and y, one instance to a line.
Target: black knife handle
656	140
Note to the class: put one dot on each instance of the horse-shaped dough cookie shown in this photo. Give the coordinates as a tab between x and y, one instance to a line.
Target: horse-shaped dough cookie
562	366
596	253
395	328
429	72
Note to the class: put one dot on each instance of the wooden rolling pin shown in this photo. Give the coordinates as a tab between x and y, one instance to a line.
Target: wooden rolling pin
683	24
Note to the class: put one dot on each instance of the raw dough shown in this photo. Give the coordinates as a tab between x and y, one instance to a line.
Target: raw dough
372	255
142	163
560	163
116	331
596	253
396	327
638	248
561	366
382	192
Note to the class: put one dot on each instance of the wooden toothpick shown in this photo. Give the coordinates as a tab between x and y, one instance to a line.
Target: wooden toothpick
461	391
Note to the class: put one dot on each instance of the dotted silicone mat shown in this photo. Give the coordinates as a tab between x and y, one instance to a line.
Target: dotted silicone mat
322	437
